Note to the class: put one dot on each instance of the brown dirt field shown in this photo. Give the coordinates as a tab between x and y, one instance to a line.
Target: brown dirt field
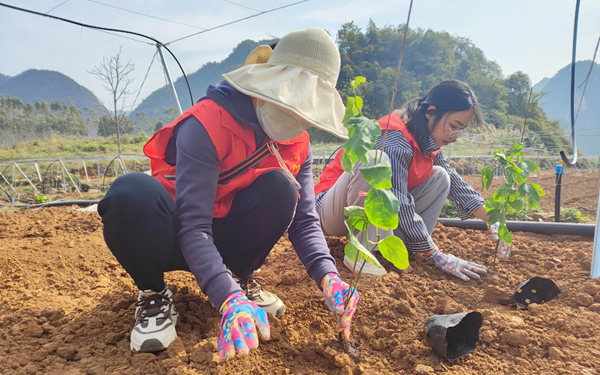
67	305
67	308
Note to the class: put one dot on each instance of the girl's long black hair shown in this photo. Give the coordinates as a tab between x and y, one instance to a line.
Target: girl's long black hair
447	96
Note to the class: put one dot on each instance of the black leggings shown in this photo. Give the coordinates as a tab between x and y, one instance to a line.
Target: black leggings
141	226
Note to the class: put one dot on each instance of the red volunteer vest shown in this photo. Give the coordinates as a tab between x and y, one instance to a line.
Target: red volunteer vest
234	144
418	171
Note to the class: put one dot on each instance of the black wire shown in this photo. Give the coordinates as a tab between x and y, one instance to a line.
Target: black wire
107	29
562	153
238	20
146	76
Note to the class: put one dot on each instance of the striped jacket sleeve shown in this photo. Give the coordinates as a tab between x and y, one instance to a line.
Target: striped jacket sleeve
411	227
464	197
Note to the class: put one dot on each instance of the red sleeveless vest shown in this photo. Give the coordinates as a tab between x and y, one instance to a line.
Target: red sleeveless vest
418	171
234	144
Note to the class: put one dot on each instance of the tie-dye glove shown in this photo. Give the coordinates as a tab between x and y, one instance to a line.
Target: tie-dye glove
503	247
335	291
455	266
238	331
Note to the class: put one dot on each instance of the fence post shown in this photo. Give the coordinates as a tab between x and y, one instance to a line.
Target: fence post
559	172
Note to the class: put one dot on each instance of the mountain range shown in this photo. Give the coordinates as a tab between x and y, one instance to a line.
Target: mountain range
46	85
556	102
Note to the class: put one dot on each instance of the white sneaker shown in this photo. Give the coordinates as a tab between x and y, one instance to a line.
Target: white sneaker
368	269
268	301
155	321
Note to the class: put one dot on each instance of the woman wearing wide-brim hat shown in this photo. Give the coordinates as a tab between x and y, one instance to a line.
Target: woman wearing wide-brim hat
229	177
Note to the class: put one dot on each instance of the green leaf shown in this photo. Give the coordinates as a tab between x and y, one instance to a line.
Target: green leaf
358	80
393	249
513	195
525	168
354	246
363	135
351	109
524	189
533	198
359	103
517	205
501	194
516	150
540	191
357	218
379	176
501	157
382	208
531	166
495	216
504	234
487	176
492	204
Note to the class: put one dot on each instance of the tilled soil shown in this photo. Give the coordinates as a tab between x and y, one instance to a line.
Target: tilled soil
67	308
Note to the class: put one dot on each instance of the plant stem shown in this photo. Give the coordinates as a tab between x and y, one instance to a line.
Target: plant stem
496	253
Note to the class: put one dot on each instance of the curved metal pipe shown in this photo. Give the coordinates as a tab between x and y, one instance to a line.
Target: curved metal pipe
527	226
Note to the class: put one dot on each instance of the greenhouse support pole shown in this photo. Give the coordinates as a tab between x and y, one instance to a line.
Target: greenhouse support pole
26	178
7	182
595	271
37	169
166	70
70	177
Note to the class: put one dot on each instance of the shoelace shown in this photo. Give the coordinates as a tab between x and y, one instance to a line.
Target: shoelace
251	286
152	305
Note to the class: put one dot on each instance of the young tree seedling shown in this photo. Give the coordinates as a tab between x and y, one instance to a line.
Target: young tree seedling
515	193
381	205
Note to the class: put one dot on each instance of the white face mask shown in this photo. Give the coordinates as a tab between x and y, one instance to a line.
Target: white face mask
279	125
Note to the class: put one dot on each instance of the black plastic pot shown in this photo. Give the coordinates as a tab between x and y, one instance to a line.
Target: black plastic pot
535	290
454	336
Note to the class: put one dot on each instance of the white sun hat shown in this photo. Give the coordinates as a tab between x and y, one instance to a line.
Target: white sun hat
299	76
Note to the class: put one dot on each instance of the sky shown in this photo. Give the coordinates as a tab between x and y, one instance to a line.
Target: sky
532	36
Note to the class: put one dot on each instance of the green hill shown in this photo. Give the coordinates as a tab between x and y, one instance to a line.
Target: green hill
48	86
156	103
557	103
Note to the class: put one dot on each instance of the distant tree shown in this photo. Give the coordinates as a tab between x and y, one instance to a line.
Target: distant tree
116	75
107	127
157	126
517	86
142	120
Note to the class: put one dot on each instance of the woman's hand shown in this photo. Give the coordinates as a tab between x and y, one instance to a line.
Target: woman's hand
335	291
503	247
457	267
238	326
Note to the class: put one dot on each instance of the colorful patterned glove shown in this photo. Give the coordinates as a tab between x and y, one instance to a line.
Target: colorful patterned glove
335	291
238	330
503	247
460	268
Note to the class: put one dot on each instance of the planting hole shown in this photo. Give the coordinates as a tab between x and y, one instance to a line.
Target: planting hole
528	300
533	290
520	291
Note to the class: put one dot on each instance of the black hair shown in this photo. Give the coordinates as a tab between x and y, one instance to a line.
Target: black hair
447	96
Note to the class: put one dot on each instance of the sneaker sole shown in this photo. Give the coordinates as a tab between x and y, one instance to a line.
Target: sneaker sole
366	271
155	345
277	313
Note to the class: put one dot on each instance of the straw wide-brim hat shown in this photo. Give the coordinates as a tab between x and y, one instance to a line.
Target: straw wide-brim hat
299	76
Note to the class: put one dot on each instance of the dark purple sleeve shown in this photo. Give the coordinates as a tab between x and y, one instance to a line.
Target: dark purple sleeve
305	233
196	188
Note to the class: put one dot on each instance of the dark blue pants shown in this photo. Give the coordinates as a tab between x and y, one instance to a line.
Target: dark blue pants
141	226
